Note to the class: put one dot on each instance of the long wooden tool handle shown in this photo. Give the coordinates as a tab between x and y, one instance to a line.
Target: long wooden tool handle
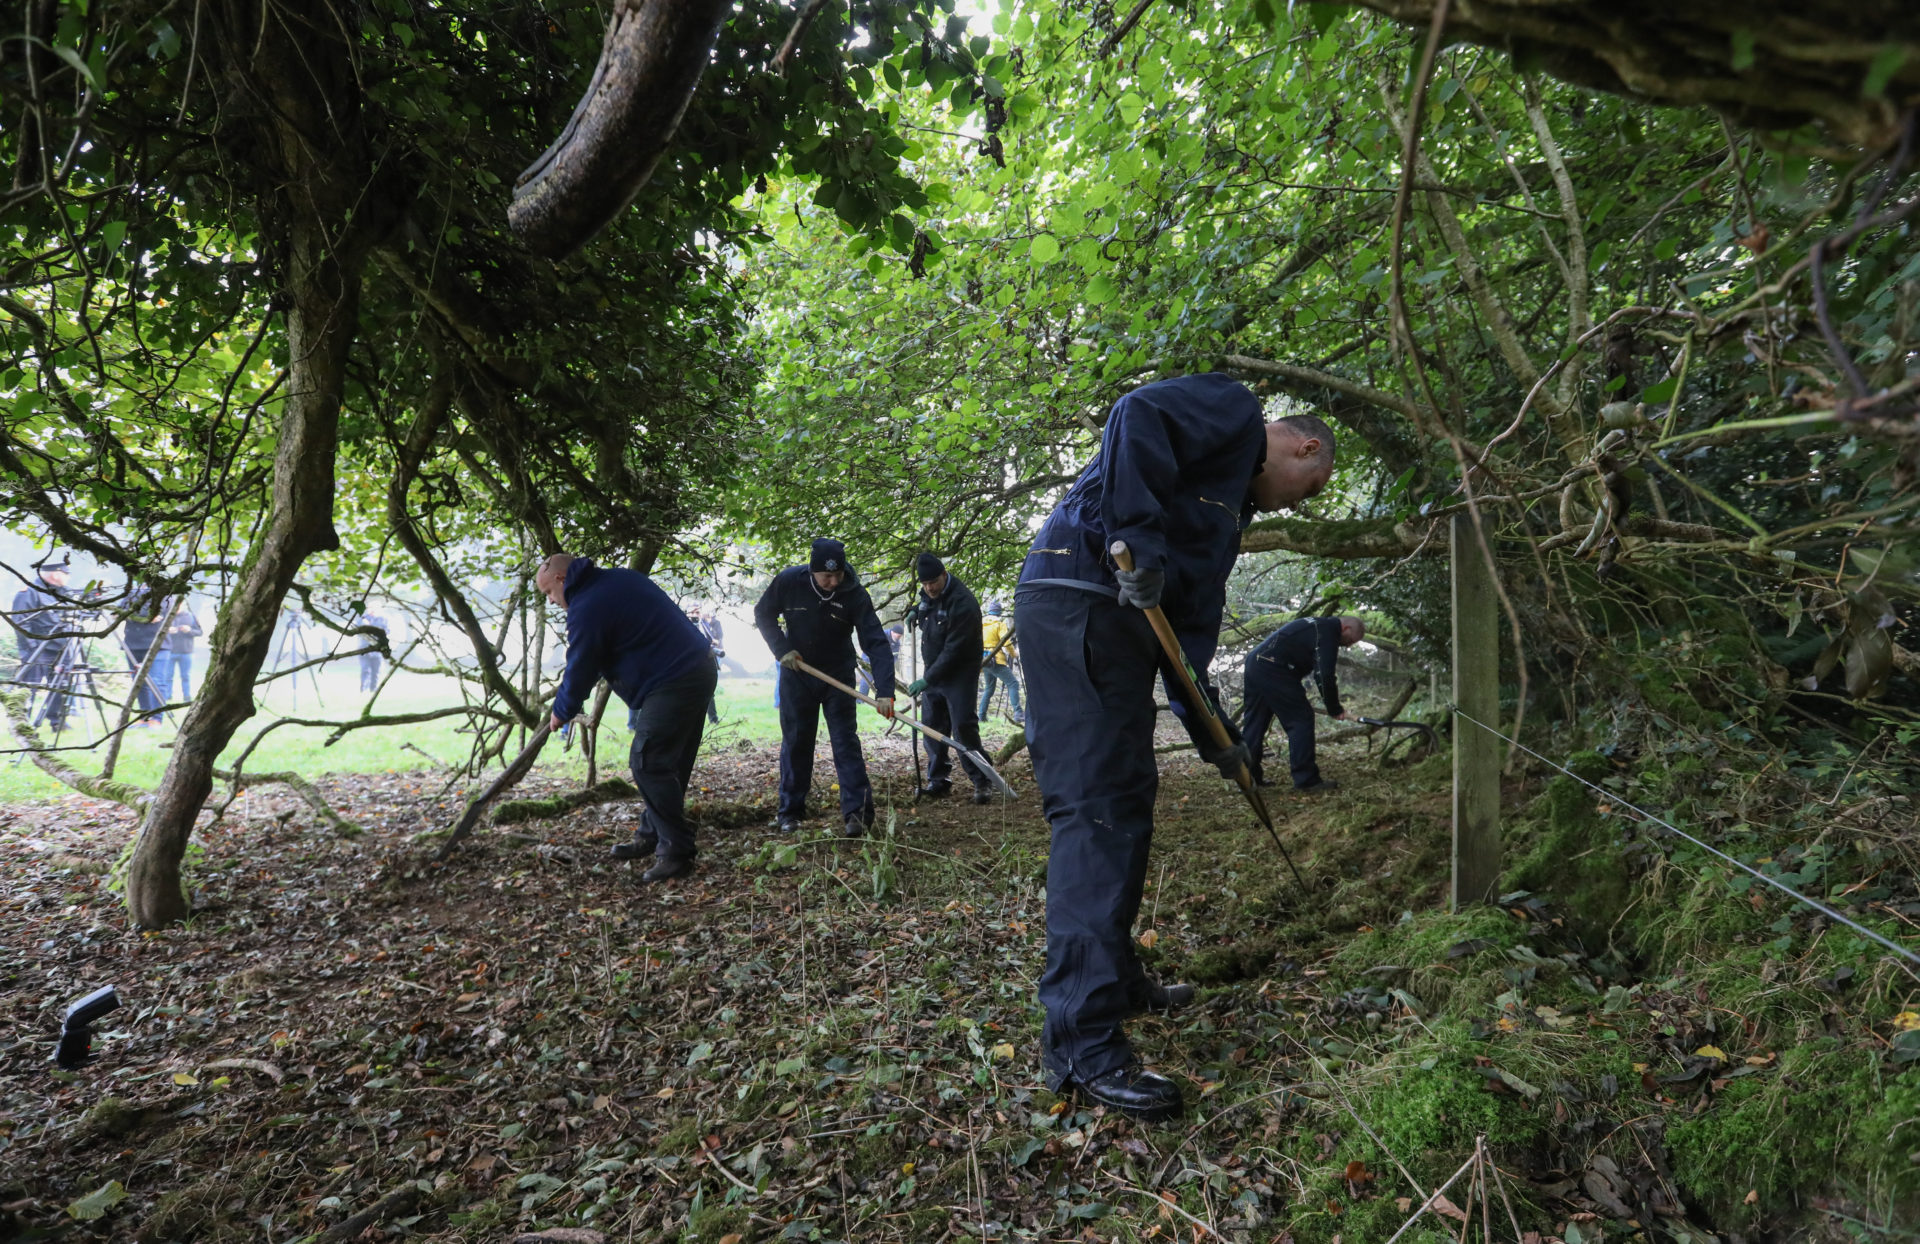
1170	643
921	727
837	685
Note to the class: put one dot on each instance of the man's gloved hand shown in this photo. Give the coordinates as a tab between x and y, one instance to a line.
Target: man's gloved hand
1141	588
1229	760
916	686
791	660
884	707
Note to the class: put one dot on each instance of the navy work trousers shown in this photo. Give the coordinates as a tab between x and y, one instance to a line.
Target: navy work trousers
804	699
1282	695
949	709
1091	666
667	726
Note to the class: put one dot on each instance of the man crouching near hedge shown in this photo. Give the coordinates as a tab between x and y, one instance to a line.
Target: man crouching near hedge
622	627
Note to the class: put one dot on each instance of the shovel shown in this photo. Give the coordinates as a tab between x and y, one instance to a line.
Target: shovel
999	783
1202	705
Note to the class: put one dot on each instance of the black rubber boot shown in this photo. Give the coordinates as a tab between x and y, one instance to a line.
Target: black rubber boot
643	845
1135	1092
1168	997
667	867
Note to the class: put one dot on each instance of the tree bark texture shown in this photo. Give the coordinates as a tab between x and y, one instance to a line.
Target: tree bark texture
1768	64
650	62
293	79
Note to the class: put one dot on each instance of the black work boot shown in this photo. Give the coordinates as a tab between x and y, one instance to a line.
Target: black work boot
1135	1092
1325	786
1168	997
667	867
645	843
856	826
982	795
788	825
939	790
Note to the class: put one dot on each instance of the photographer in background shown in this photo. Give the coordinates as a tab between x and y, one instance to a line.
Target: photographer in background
37	610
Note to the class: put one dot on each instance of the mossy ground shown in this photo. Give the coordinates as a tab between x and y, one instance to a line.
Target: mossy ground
838	1041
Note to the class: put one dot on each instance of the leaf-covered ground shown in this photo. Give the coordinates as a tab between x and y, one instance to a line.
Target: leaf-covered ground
834	1040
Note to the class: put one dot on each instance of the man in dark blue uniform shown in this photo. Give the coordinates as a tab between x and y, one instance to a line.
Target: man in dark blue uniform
822	605
622	627
949	620
1273	689
142	629
1183	465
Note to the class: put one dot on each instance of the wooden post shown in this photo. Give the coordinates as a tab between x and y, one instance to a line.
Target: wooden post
1476	691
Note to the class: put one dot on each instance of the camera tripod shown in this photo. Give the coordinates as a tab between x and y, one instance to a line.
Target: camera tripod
291	653
66	673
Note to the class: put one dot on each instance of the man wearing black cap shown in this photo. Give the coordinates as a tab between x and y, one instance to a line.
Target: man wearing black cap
36	623
1183	465
822	605
949	622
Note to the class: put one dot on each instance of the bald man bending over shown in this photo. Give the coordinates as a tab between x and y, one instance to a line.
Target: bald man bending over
622	627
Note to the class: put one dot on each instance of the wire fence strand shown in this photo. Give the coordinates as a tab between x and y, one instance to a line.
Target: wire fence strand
1749	869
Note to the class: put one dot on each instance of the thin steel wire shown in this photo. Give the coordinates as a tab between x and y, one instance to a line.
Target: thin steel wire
1751	871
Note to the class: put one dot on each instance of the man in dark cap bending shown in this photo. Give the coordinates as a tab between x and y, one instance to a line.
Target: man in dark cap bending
1275	672
948	617
822	605
622	627
1183	465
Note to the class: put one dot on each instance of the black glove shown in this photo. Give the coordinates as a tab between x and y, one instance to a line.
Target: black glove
1229	759
1141	588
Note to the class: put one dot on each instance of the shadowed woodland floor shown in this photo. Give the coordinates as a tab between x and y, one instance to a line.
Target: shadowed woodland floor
836	1040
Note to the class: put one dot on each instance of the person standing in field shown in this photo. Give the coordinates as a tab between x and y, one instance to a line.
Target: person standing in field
997	654
810	613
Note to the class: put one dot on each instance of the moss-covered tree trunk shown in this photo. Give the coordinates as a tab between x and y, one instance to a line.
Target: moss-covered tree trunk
294	79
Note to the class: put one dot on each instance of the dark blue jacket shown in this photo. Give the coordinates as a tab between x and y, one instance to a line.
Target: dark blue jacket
1173	479
622	627
820	626
1301	647
950	635
37	619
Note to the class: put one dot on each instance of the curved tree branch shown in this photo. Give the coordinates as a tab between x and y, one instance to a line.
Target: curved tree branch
649	64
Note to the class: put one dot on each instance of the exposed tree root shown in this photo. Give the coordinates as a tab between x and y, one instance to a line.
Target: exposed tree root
301	787
514	811
49	762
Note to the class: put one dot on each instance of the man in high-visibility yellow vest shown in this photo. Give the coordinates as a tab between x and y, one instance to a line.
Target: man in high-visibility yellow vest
995	628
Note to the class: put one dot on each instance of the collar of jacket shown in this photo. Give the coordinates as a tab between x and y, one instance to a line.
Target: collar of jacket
580	573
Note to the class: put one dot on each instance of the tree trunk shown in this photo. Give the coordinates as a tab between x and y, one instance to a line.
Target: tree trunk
315	169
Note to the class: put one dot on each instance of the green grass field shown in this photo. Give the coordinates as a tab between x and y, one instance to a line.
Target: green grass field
746	713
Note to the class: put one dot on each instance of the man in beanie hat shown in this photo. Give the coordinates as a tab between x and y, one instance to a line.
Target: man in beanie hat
949	622
37	624
810	613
